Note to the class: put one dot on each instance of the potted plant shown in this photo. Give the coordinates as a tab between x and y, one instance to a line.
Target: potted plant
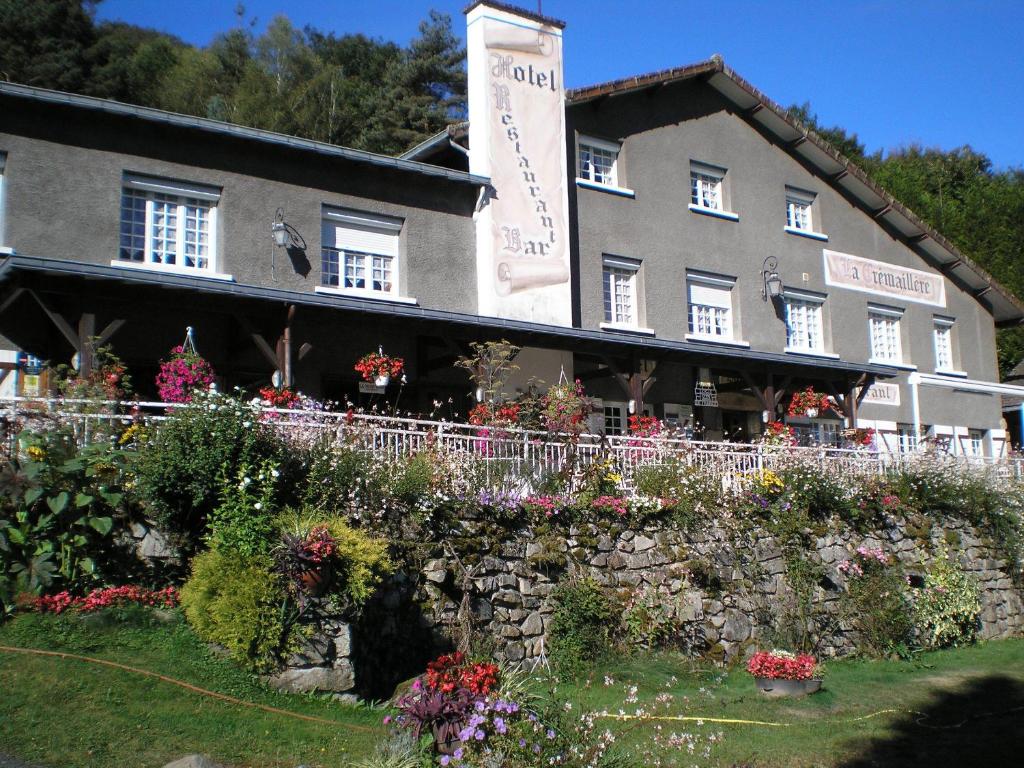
777	433
379	368
306	559
781	673
808	403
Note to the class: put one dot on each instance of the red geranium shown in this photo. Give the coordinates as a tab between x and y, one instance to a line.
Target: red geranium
781	665
279	397
372	365
452	671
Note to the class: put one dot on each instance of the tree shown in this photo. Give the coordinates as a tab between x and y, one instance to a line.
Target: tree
847	143
44	42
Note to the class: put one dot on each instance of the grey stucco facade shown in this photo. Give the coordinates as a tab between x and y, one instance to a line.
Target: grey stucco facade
660	134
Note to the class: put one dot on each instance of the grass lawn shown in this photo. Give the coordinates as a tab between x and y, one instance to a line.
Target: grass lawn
64	713
70	714
973	698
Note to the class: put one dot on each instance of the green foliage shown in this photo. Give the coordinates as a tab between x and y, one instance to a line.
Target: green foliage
243	522
489	367
695	494
335	478
59	505
815	491
877	606
360	560
946	608
579	633
238	603
645	620
45	42
180	469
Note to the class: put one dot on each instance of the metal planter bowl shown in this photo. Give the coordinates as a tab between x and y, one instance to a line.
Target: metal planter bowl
787	688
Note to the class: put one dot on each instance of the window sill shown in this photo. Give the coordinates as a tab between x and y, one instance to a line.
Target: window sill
170	269
729	215
806	233
619	327
892	364
811	353
621	191
717	340
357	294
949	372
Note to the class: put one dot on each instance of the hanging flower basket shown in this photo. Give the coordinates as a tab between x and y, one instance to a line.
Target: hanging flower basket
379	368
808	403
184	373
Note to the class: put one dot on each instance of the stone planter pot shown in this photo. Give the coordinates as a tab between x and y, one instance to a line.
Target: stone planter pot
787	688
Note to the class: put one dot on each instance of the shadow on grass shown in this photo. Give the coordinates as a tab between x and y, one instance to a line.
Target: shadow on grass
980	723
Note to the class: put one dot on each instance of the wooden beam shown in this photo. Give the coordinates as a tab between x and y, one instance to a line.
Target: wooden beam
261	343
111	328
62	325
86	342
11	298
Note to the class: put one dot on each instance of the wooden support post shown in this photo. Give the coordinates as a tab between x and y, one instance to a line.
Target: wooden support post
86	336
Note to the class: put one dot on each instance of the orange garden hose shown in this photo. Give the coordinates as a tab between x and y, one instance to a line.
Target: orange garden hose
366	729
188	687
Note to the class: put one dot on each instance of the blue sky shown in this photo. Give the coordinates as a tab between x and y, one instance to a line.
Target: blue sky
935	72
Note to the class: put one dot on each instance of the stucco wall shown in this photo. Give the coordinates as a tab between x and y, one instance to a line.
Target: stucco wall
63	186
660	135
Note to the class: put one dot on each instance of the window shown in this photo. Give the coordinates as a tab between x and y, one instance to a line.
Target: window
706	186
798	209
359	252
943	333
804	326
906	436
620	292
884	333
975	445
597	161
614	418
710	306
168	225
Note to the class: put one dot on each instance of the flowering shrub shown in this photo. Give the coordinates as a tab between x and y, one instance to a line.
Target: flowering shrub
108	597
876	601
453	670
614	506
806	400
374	364
777	433
542	507
946	608
502	414
182	374
781	665
278	397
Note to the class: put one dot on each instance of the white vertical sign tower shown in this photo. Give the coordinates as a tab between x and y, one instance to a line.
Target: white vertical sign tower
517	138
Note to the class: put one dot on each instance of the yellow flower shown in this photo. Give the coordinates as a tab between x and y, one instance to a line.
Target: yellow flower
36	453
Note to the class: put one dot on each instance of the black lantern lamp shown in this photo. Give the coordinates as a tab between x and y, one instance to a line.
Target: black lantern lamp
770	280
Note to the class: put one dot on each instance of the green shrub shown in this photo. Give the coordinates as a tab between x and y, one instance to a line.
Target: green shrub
244	521
946	608
876	603
695	492
180	469
238	603
818	492
579	633
335	478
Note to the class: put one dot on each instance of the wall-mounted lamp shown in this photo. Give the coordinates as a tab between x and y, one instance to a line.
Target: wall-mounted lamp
771	282
280	230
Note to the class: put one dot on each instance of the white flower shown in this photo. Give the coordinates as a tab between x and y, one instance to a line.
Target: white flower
258	505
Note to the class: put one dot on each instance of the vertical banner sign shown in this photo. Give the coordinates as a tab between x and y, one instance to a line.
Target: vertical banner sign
517	138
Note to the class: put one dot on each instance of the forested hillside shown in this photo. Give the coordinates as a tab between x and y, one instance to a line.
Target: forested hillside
384	97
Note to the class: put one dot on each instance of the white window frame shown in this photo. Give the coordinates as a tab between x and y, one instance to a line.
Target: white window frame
974	443
622	414
589	175
613	267
885	334
180	195
713	177
813	310
942	328
797	201
724	310
907	439
383	241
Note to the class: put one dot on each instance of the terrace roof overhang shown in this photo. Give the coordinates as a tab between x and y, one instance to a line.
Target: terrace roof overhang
79	279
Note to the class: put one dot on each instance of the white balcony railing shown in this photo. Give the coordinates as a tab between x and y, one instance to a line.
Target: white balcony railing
535	453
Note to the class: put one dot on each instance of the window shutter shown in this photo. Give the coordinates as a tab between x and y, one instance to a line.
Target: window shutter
710	295
363	233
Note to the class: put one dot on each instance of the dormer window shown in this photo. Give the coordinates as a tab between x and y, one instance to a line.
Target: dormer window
597	161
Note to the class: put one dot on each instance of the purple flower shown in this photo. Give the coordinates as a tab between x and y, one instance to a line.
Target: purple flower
457	754
466	734
499	726
480	706
479	735
550	734
445	759
522	743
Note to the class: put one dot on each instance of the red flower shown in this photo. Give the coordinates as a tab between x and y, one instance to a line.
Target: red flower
781	666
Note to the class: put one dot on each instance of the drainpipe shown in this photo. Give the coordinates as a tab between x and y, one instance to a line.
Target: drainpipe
1021	444
914	380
